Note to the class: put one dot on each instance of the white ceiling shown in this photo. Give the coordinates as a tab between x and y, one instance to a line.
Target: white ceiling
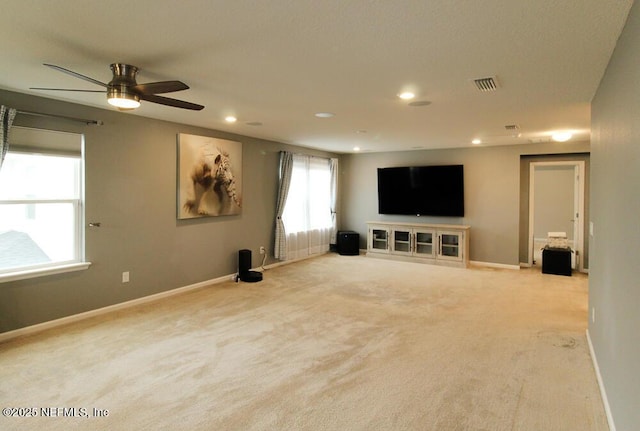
278	62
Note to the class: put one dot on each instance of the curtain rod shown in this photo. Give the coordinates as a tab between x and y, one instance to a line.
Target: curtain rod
78	120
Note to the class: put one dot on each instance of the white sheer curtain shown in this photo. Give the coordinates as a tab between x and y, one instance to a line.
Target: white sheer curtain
307	214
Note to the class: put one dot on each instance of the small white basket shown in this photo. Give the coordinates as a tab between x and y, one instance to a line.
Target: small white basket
557	240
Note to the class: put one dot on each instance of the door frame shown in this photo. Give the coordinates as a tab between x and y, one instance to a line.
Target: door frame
578	205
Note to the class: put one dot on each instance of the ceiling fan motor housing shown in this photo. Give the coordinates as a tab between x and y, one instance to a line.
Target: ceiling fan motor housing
123	74
124	78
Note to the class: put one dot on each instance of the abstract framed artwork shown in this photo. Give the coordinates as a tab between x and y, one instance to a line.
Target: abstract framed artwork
209	179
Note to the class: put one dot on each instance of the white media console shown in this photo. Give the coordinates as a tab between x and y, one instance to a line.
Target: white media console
441	244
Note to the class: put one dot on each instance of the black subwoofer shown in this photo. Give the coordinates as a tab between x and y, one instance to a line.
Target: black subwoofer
348	243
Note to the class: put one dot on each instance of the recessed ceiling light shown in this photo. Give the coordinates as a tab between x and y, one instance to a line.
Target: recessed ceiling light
230	119
476	142
561	136
406	95
356	148
324	114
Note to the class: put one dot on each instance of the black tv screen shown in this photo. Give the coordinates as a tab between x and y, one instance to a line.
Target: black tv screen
421	190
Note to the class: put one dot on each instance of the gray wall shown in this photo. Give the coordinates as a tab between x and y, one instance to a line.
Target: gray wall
614	287
130	178
492	193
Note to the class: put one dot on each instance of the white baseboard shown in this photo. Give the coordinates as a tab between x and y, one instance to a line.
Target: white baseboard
33	329
603	392
494	265
287	262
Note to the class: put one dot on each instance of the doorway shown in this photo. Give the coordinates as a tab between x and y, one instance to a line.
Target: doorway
556	204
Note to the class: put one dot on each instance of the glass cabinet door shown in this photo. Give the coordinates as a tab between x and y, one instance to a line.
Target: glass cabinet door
450	245
402	241
424	243
379	239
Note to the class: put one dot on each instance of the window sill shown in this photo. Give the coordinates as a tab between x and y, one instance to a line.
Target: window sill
41	272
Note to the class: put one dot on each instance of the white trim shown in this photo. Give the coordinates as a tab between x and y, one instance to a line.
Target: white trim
579	205
603	392
494	265
33	329
530	233
286	262
38	201
41	138
41	272
29	330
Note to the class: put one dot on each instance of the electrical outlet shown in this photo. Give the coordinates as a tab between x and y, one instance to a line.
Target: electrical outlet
125	277
262	250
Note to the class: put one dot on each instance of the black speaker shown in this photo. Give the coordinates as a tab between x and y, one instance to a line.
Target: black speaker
244	261
244	267
348	243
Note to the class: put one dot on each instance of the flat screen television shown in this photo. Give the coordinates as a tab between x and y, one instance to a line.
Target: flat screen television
422	190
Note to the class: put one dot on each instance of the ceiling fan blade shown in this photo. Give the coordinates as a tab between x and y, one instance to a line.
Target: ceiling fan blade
160	87
76	74
66	89
171	102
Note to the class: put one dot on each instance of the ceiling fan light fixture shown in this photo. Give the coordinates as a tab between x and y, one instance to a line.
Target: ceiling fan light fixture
123	99
562	136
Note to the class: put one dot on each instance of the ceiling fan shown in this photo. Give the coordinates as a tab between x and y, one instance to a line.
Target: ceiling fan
125	93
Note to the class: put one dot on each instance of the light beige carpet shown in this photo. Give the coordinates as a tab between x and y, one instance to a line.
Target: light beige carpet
330	343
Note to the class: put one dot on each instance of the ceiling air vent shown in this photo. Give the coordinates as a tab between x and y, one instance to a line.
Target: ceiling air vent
486	84
512	127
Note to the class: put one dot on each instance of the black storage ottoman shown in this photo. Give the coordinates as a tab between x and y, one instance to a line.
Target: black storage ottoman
348	243
556	261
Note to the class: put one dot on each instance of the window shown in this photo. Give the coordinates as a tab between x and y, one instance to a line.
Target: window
309	200
308	217
41	207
